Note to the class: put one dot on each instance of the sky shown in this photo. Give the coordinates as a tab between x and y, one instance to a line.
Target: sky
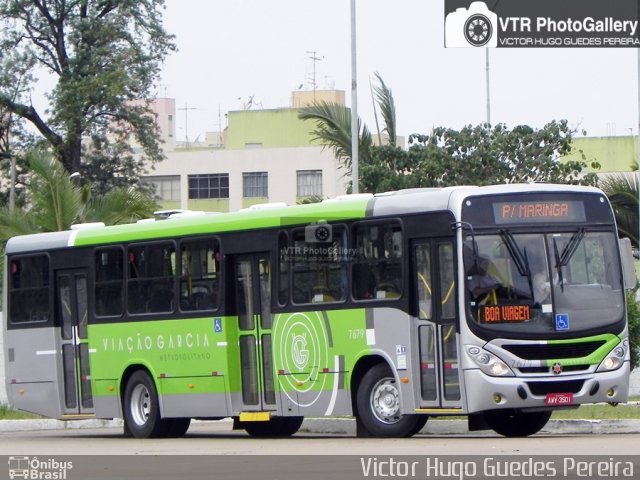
231	51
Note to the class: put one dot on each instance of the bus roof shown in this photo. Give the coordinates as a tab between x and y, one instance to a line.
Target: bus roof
341	208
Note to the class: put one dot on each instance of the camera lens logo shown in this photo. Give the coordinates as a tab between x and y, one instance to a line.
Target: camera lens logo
478	30
471	27
318	233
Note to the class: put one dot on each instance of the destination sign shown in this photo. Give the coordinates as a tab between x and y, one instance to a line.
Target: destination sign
538	212
505	313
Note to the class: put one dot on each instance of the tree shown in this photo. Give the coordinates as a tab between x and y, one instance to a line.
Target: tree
56	202
105	56
333	129
387	108
479	156
622	191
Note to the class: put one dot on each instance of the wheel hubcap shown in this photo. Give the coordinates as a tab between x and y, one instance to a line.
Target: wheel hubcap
385	401
140	406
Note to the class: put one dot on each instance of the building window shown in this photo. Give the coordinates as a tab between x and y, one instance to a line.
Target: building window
254	184
215	185
309	183
167	188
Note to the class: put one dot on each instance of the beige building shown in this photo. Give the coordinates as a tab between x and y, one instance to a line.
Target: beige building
262	156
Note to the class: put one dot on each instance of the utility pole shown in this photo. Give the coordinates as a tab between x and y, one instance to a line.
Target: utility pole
488	90
355	188
638	148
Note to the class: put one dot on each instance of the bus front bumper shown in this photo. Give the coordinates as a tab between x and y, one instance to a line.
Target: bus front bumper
484	392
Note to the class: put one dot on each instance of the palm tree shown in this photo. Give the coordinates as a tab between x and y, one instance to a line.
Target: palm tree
333	125
55	202
622	190
333	129
387	108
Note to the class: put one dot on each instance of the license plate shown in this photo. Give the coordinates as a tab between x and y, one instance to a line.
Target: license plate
559	399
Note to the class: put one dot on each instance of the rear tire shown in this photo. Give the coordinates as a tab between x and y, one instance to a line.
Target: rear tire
141	409
513	423
378	402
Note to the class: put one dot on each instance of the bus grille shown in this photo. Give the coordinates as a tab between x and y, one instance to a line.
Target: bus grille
568	386
557	350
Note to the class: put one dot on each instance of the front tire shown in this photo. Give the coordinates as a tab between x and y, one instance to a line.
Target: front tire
141	409
513	423
378	402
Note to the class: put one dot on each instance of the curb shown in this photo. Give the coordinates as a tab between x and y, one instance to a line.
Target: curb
347	426
459	427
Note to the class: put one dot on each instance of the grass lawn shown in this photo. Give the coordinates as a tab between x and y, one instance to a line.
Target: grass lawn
625	411
10	413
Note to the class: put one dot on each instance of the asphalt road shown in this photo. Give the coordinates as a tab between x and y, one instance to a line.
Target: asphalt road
211	450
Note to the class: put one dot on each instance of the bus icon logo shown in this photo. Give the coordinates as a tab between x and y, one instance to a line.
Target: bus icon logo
18	467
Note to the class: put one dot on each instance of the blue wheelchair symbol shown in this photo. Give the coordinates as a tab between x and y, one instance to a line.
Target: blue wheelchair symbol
562	321
217	325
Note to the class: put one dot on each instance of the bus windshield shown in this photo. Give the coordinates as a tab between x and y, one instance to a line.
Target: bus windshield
537	283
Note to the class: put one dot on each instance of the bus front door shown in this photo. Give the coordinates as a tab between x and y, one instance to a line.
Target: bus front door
436	296
72	310
253	305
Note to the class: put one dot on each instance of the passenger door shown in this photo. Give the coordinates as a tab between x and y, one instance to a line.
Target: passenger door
72	311
252	273
434	279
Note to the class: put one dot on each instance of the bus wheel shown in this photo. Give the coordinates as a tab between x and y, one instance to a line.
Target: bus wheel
378	402
177	427
141	411
276	427
512	423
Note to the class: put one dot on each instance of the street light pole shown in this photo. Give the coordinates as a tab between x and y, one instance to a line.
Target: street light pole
354	105
638	148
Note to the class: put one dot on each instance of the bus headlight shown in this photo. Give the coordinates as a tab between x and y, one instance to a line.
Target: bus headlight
489	363
615	358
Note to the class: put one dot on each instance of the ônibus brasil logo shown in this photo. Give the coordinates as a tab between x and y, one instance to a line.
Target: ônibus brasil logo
35	468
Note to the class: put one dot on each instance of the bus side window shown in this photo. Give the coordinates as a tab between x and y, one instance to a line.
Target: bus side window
109	277
377	270
151	278
320	268
199	276
29	289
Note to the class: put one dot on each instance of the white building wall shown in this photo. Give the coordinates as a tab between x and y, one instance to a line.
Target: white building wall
280	163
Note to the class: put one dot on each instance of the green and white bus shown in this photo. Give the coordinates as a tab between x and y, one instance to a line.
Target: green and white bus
501	303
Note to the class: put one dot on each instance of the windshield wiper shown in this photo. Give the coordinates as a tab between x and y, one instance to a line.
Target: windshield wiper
562	260
519	257
558	264
570	248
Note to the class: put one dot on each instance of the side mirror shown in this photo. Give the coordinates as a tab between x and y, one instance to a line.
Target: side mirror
628	264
